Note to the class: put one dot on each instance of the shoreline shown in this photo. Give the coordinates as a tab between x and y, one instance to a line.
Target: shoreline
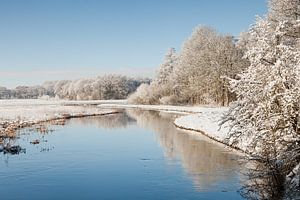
202	120
9	128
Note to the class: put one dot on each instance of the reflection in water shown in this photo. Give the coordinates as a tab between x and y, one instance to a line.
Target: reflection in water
204	160
10	144
120	120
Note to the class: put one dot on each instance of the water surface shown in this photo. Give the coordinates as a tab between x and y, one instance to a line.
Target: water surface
133	155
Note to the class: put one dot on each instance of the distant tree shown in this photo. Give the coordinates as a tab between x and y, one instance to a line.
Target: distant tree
101	87
5	93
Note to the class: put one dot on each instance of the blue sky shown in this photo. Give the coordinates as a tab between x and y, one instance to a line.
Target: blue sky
67	39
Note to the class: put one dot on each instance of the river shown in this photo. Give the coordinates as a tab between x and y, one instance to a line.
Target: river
132	155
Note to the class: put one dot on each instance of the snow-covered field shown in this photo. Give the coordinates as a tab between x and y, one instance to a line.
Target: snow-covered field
34	109
15	114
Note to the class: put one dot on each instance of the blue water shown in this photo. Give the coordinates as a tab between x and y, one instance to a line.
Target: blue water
134	155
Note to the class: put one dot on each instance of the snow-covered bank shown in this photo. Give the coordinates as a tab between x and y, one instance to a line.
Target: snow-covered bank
15	114
167	108
208	123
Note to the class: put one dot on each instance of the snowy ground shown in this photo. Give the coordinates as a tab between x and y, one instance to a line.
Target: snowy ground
34	109
16	114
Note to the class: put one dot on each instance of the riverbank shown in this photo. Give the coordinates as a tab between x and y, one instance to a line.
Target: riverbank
17	114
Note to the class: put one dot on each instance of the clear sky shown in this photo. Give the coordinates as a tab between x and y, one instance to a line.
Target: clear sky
67	39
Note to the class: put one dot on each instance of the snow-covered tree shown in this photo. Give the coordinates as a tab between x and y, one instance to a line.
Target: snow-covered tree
269	91
163	84
265	118
101	87
206	58
167	67
5	93
196	75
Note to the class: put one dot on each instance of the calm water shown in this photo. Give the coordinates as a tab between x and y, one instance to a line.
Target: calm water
134	155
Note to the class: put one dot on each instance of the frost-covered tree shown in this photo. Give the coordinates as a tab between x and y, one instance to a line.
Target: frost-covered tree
269	91
206	58
167	67
5	93
163	84
265	118
197	74
101	87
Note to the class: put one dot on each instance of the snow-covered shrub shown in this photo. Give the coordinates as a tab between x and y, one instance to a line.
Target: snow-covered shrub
168	100
143	95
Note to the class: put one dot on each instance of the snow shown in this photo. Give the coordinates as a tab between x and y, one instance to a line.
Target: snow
175	109
206	122
33	109
21	113
21	102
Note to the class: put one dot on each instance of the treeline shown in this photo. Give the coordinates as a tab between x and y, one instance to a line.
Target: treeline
199	73
25	92
102	87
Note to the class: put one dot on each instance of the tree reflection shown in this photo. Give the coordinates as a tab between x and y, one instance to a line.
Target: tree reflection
119	120
204	160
